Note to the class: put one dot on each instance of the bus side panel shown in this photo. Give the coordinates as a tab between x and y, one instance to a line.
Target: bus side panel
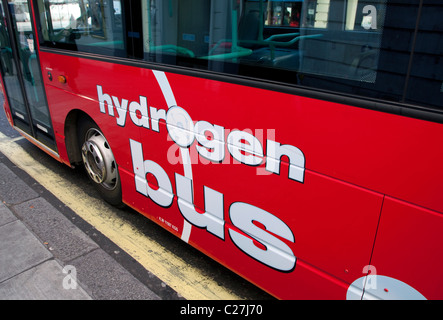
383	152
411	235
331	250
352	156
333	225
331	244
59	104
390	154
80	93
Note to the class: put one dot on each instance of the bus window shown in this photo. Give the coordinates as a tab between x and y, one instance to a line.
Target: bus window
425	85
83	25
348	49
177	28
222	33
334	38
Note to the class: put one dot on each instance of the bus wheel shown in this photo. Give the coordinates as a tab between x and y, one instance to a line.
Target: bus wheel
99	162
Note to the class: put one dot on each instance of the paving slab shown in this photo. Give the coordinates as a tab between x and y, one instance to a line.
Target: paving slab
19	250
64	239
6	215
47	281
12	189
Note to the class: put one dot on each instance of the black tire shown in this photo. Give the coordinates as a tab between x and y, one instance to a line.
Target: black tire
99	162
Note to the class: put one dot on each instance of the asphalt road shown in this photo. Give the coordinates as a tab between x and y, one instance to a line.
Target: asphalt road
175	268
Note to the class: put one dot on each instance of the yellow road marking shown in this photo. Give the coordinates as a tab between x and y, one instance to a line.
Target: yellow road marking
189	282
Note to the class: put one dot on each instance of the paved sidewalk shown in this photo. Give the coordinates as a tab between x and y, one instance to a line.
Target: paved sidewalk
45	256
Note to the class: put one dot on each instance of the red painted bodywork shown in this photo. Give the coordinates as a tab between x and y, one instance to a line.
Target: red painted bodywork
372	191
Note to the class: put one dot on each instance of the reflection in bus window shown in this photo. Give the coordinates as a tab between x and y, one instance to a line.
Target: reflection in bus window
283	13
349	55
364	15
316	13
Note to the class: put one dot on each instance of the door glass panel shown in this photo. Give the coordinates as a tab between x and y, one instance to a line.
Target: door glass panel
9	73
28	62
25	85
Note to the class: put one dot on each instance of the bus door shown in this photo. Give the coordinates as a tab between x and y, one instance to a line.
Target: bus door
21	73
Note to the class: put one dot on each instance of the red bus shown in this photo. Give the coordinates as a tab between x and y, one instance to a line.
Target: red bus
298	143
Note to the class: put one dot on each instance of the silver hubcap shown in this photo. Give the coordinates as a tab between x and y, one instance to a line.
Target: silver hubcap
99	160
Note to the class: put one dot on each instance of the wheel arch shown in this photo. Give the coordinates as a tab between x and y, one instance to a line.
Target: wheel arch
71	135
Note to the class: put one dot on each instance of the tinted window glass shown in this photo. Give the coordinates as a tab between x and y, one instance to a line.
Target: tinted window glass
345	41
83	25
333	38
328	44
425	84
